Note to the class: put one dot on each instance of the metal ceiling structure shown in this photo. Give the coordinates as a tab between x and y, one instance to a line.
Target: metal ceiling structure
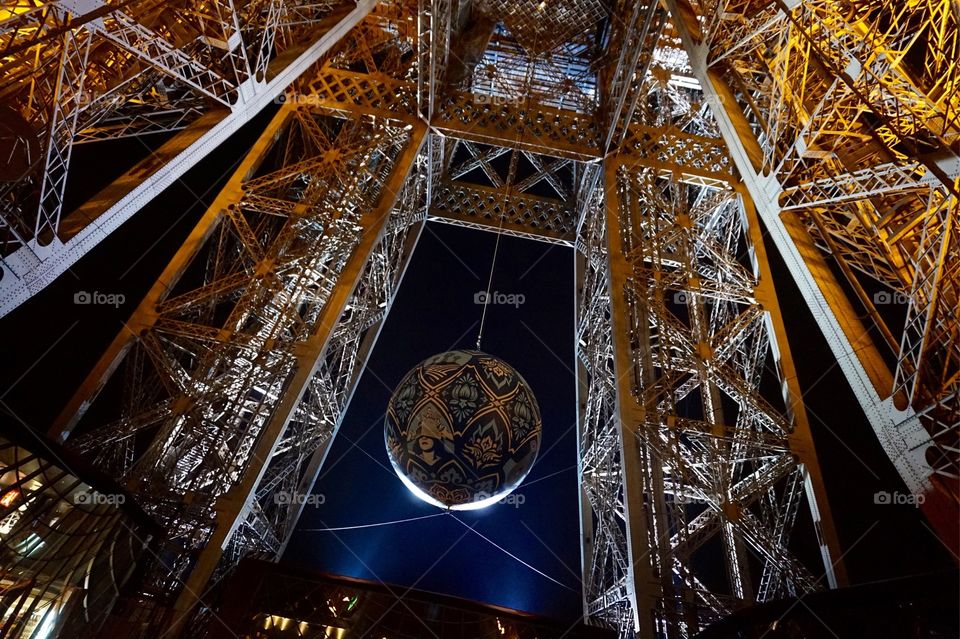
661	141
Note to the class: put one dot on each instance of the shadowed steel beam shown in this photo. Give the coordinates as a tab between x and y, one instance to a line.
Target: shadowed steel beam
145	315
644	587
801	440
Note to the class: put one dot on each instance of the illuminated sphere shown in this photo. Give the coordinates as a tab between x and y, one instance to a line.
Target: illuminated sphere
462	430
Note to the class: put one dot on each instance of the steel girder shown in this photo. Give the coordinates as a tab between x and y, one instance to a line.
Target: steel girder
683	453
80	72
235	385
236	368
842	118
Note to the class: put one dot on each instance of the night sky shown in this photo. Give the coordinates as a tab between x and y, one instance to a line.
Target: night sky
49	345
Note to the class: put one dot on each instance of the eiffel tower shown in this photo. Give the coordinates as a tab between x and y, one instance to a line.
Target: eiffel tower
663	141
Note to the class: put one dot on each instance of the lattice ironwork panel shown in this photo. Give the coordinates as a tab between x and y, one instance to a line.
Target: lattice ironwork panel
545	26
527	126
672	150
849	114
513	211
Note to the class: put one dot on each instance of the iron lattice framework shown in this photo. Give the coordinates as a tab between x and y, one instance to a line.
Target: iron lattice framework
616	128
90	71
842	118
269	306
712	462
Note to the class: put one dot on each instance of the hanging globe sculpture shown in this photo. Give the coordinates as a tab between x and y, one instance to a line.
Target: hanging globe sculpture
462	430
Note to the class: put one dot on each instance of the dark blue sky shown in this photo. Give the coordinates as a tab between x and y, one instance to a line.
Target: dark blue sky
434	312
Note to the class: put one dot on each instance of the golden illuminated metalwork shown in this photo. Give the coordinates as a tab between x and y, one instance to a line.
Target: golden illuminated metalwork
88	71
842	118
655	140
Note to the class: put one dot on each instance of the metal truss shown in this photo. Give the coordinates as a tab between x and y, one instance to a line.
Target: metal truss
712	464
693	441
473	192
842	118
609	596
81	72
686	452
238	364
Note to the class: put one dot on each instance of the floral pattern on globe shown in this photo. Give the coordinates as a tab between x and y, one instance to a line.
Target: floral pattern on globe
463	429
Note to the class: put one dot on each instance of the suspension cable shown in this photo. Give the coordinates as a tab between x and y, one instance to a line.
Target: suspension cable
496	247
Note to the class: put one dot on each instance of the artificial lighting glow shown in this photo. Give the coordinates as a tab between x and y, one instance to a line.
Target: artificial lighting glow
49	621
9	497
10	521
471	505
30	544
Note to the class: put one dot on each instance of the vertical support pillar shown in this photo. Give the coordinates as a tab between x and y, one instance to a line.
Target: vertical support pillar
583	391
232	506
801	440
900	433
642	583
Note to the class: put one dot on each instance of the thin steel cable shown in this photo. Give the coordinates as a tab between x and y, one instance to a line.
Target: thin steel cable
511	555
381	523
496	247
